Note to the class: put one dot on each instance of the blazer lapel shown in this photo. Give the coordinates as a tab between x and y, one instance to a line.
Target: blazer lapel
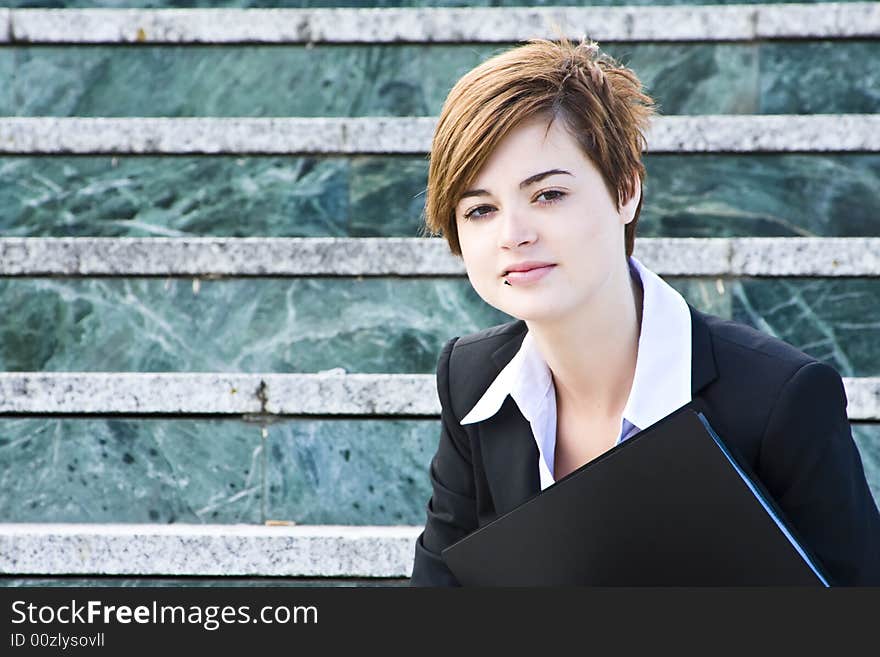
510	457
703	369
507	445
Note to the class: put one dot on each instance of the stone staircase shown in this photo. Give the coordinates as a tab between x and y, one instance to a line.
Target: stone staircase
221	324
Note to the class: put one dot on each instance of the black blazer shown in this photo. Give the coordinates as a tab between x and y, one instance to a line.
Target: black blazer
780	411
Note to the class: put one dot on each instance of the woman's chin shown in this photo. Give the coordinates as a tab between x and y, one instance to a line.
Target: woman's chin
532	310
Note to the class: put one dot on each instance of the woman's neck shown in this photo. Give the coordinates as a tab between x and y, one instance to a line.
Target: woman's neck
592	355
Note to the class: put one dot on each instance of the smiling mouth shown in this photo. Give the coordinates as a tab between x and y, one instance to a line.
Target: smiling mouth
522	271
526	276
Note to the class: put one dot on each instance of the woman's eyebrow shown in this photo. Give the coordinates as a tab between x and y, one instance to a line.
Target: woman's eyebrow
531	180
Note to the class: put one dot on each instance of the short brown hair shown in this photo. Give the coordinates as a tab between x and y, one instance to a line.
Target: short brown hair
601	103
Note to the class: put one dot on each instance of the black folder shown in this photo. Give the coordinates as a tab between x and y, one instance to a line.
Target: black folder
669	506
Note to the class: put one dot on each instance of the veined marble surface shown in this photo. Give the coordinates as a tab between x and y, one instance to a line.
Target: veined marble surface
144	471
258	325
787	77
867	439
761	195
351	472
685	196
371	325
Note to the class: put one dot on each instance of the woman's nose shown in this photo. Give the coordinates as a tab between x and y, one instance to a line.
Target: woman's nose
516	230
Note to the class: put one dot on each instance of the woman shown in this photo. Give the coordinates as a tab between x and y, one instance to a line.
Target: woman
535	180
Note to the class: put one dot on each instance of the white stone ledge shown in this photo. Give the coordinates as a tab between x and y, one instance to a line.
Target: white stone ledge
190	393
217	393
209	256
410	256
446	25
765	133
409	135
761	256
217	135
207	550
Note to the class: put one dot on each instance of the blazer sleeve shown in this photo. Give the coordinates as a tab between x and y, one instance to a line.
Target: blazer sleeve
811	465
452	509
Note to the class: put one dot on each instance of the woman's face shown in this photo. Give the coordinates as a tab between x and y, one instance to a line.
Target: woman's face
515	212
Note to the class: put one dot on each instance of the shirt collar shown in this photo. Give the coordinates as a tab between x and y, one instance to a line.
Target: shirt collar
662	381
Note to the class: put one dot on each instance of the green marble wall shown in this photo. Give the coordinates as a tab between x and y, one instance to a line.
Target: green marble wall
321	471
370	325
69	470
685	196
244	325
413	80
867	438
349	472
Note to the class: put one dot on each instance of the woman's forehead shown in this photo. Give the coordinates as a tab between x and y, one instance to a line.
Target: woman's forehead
524	172
525	183
530	146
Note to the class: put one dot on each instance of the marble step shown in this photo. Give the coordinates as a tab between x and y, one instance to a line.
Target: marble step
367	324
410	79
402	256
411	135
687	195
209	393
235	470
66	581
432	25
207	550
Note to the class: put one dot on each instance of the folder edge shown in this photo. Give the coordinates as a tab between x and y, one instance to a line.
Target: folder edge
762	499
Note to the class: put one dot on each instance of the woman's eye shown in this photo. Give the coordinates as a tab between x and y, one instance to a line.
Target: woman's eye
472	214
554	196
552	199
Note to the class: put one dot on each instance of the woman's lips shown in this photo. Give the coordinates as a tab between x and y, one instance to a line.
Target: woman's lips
530	276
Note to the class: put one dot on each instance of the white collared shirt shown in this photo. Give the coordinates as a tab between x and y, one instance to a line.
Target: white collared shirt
662	381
